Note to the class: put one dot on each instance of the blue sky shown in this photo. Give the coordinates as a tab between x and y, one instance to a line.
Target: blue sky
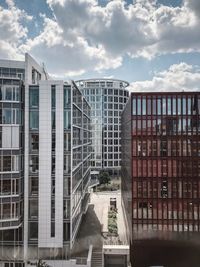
141	41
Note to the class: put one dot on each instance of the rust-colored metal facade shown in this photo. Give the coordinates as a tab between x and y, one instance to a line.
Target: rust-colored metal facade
161	163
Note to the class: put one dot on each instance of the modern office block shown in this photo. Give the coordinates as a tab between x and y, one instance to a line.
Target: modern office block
107	98
13	75
161	166
59	167
45	151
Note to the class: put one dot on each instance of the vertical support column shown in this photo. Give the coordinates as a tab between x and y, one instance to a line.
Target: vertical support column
45	160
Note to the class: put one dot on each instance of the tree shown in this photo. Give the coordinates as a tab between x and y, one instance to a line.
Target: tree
104	177
41	263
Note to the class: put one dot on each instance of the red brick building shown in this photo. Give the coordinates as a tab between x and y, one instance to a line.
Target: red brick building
161	165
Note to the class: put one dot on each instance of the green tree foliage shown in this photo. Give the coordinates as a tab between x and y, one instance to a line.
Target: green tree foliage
104	177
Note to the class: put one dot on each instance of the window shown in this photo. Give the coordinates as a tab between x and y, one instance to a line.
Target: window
8	93
164	105
53	164
34	97
184	105
34	119
7	163
67	163
67	119
6	187
7	116
33	230
53	96
67	141
144	106
34	164
169	106
6	214
34	141
53	229
11	116
0	139
33	208
66	231
34	185
66	209
67	97
174	106
53	119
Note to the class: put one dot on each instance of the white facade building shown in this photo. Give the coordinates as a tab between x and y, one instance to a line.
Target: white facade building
45	161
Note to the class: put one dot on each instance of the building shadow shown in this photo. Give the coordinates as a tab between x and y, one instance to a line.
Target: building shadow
89	234
165	253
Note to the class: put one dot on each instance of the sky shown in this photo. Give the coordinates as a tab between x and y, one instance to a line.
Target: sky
152	44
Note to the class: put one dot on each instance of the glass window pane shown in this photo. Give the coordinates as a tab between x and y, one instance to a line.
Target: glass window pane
7	163
189	106
34	119
149	106
134	106
184	105
7	116
144	106
169	106
139	106
174	106
8	95
67	119
159	106
34	97
164	106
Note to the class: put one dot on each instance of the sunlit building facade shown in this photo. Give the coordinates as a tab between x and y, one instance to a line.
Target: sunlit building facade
45	146
107	98
161	164
59	167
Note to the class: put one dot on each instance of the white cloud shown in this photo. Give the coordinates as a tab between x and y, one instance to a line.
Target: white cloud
12	32
141	29
86	36
178	77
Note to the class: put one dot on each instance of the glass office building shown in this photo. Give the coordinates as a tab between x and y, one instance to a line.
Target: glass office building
11	155
161	165
59	167
12	126
107	98
45	147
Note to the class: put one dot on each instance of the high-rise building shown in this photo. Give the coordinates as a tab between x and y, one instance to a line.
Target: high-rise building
45	163
13	77
107	98
161	169
59	166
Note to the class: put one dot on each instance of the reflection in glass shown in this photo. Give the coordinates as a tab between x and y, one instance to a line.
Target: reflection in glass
169	108
34	119
159	106
164	106
144	106
184	105
7	116
174	106
149	106
179	105
189	106
8	93
139	106
134	106
34	97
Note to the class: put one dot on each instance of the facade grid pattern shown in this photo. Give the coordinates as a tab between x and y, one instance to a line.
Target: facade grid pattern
163	167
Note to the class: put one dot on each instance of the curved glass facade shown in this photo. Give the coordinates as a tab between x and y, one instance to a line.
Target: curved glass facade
107	98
